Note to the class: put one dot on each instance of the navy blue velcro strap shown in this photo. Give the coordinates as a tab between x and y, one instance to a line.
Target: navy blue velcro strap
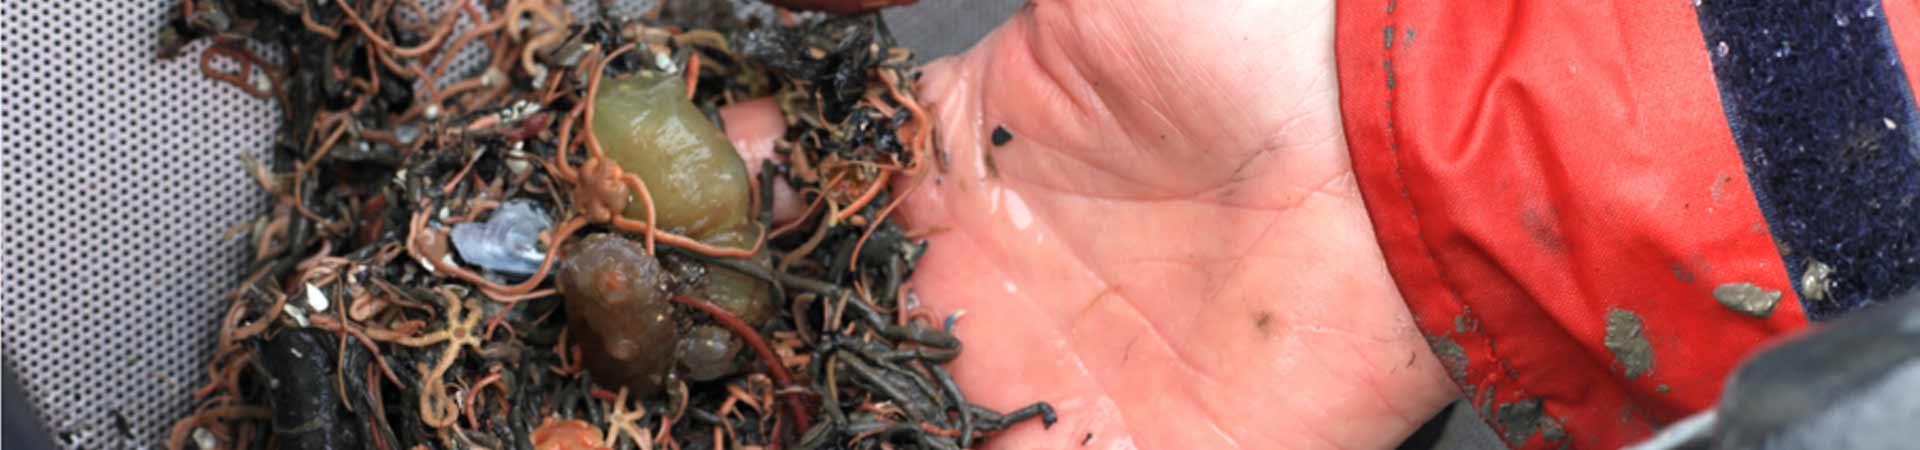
1825	121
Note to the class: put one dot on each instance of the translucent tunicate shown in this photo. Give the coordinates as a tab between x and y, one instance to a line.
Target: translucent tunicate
508	242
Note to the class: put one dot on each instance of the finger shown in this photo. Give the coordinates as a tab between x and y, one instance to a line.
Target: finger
753	126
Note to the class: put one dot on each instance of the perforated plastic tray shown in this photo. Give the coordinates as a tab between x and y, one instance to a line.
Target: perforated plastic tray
120	174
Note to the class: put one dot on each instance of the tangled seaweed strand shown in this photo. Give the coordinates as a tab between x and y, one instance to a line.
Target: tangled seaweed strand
357	326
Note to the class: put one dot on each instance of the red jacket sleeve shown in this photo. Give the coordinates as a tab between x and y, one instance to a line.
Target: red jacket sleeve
1558	196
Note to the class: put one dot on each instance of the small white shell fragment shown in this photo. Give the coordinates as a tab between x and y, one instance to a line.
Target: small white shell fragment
261	83
299	316
204	439
316	300
493	77
664	63
406	133
539	76
521	109
519	167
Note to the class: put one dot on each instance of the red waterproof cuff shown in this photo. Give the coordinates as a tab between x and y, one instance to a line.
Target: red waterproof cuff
1558	196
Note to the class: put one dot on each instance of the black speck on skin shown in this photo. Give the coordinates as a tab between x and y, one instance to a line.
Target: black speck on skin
1085	440
1001	136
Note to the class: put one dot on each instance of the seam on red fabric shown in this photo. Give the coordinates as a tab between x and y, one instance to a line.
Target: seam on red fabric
1452	292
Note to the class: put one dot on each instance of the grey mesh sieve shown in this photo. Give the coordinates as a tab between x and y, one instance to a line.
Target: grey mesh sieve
121	172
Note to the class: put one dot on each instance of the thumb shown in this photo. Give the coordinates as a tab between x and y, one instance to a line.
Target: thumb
753	126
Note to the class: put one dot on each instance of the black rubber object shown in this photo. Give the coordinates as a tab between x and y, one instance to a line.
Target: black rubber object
1850	384
307	411
19	428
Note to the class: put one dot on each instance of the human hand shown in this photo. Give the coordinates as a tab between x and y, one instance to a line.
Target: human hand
1171	249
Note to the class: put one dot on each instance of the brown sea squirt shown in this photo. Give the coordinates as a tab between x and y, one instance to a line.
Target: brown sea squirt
618	296
619	312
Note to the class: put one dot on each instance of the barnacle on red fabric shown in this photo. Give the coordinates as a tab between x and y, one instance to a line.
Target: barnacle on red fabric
1558	196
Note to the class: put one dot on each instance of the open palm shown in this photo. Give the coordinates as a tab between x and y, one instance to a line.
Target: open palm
1171	248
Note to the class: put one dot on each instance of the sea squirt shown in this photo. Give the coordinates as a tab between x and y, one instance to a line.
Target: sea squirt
618	296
